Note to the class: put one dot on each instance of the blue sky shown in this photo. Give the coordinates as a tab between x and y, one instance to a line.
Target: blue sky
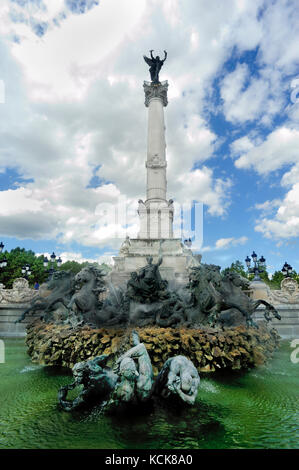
73	123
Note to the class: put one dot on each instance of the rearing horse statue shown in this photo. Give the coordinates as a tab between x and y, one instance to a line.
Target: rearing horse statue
229	295
221	298
61	287
89	282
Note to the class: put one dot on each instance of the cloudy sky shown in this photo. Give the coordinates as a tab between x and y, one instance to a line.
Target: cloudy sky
73	123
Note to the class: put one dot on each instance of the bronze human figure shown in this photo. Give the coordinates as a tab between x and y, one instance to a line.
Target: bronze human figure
155	64
130	381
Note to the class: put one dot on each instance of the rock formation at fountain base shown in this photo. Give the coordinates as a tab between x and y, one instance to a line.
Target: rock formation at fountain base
209	349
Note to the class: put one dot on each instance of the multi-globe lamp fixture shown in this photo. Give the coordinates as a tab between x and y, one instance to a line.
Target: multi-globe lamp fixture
287	270
26	271
52	261
259	266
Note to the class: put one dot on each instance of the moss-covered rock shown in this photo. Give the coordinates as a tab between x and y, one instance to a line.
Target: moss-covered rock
209	349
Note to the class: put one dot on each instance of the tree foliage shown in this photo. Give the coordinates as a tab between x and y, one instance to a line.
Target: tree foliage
16	259
237	267
273	283
276	280
19	257
75	267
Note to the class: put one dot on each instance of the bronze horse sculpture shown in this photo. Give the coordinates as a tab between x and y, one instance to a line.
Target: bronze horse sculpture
221	299
213	299
78	295
85	301
230	297
61	287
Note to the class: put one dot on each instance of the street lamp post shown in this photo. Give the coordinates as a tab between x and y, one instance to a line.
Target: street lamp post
287	270
26	271
3	262
51	271
259	266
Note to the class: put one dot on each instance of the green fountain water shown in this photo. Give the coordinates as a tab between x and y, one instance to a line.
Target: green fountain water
256	409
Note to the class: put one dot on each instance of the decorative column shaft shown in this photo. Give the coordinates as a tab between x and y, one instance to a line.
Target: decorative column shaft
155	99
156	213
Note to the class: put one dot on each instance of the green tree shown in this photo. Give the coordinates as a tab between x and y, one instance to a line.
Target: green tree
16	259
295	276
277	277
265	277
75	267
273	283
19	257
72	266
237	267
276	280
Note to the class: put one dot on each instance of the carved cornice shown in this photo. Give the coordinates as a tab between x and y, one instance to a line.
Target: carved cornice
155	90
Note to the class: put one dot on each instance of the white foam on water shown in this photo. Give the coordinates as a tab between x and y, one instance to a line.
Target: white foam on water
208	387
258	376
30	368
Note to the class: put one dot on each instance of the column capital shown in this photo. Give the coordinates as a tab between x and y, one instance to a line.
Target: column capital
155	90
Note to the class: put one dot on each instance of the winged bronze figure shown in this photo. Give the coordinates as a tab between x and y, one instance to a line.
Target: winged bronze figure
155	64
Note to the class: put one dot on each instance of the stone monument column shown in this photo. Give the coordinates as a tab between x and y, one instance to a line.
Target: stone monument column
155	237
157	214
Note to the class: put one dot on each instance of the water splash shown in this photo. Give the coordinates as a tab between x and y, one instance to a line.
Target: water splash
208	387
31	368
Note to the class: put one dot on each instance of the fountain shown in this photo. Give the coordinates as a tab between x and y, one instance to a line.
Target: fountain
165	315
211	326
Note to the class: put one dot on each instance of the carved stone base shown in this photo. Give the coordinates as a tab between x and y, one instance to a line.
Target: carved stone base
288	326
286	302
287	294
176	259
156	219
9	313
259	290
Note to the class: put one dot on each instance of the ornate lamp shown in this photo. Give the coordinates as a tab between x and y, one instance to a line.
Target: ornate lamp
262	261
52	261
259	266
287	270
26	271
